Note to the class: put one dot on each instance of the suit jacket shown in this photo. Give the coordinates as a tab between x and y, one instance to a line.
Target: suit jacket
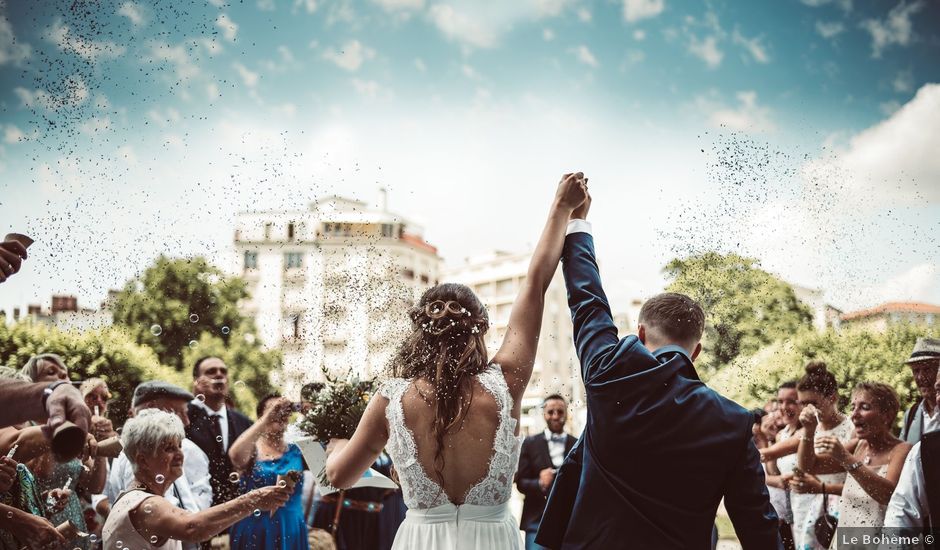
533	458
202	432
659	450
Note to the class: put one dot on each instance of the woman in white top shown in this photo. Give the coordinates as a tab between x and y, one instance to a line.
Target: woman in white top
781	458
873	461
813	476
141	518
450	417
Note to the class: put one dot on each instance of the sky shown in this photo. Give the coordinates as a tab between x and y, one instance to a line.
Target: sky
803	133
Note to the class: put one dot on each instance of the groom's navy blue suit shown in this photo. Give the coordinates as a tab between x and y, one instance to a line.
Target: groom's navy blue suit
660	449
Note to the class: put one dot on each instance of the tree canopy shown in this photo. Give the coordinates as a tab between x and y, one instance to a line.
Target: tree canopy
746	308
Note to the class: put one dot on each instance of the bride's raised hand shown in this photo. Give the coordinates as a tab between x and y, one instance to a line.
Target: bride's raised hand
572	191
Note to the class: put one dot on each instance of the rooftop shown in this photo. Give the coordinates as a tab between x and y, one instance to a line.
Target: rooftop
892	307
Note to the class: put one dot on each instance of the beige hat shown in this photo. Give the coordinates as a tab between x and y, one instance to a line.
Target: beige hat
926	349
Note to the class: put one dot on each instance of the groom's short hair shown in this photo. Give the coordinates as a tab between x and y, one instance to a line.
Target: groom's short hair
671	317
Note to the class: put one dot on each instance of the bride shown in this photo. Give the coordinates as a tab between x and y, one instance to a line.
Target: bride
450	418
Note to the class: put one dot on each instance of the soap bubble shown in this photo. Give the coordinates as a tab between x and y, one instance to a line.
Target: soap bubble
156	330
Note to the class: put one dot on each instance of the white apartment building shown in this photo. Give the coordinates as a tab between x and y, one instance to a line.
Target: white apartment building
496	278
330	286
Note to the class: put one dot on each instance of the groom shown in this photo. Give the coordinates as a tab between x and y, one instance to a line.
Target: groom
660	448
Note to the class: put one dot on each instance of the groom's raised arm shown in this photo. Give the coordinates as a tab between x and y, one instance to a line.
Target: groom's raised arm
595	335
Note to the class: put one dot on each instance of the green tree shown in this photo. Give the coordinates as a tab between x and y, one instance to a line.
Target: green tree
185	309
175	301
110	354
746	308
852	355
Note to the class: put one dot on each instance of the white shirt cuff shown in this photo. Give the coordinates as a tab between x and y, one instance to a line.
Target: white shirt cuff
579	226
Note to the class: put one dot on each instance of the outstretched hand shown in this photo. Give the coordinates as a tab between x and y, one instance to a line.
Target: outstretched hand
572	191
581	212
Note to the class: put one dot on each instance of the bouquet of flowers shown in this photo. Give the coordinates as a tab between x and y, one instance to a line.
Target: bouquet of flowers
338	408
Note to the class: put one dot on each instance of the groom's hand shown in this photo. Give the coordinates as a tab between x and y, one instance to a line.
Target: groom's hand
581	212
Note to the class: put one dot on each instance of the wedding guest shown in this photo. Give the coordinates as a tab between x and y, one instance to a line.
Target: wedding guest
260	455
923	415
818	393
910	505
143	519
12	254
780	469
192	491
96	395
86	476
873	461
213	426
539	460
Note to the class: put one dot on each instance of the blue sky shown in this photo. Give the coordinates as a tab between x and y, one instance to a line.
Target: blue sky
798	132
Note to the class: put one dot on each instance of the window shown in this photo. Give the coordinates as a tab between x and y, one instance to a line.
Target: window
293	260
267	230
251	260
408	273
504	287
387	229
425	279
290	231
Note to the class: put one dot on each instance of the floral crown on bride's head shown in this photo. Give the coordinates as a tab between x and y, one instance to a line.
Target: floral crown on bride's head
439	317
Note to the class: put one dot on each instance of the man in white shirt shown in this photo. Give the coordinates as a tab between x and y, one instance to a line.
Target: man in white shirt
193	490
919	484
924	415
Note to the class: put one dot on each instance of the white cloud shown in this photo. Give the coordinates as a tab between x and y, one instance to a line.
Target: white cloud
11	49
212	46
400	5
75	93
92	50
635	10
463	26
903	82
12	134
370	89
133	12
286	109
748	116
548	35
888	108
249	77
127	155
419	64
228	27
585	56
212	91
829	30
639	35
177	56
309	5
165	118
266	5
706	50
469	72
95	125
846	5
753	46
915	284
584	15
351	56
895	29
218	3
896	158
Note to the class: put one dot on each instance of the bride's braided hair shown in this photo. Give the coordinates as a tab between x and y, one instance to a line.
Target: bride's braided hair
447	348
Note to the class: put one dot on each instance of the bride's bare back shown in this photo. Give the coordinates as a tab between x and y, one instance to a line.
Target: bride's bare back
467	449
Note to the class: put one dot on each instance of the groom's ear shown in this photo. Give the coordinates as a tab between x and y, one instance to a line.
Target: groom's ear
641	333
696	351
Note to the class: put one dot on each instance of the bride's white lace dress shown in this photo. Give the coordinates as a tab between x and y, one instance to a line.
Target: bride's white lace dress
434	522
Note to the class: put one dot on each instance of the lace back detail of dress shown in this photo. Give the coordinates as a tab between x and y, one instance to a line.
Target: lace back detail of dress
418	489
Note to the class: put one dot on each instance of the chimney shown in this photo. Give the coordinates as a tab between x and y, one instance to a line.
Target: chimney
62	303
33	309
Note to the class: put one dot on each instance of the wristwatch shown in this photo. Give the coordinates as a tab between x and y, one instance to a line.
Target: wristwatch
854	466
51	388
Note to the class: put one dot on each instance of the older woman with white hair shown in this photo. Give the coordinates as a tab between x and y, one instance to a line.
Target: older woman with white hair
142	518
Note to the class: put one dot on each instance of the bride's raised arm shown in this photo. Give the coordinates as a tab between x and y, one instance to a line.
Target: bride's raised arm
516	355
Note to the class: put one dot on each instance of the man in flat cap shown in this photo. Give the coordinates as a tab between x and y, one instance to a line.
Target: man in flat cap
922	416
192	491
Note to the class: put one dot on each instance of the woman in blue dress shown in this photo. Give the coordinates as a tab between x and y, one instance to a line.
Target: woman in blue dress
260	455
